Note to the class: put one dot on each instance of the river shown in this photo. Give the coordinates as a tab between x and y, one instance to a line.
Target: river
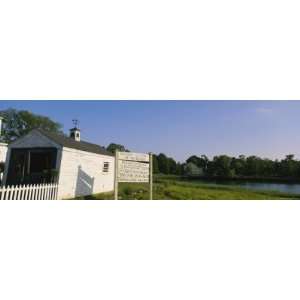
290	188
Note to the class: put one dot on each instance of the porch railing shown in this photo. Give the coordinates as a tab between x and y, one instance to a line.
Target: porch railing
29	192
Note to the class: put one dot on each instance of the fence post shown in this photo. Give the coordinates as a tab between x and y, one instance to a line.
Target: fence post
51	191
56	191
11	188
3	191
25	192
21	192
43	192
38	191
47	192
33	192
30	192
17	192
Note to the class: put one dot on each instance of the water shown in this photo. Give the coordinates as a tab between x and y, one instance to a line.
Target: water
290	188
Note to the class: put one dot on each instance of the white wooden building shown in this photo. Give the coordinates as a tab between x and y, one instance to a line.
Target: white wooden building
79	167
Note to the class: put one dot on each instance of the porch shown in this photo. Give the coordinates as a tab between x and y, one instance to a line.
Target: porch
32	166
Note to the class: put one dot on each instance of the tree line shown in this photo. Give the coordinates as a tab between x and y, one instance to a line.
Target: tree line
224	166
247	166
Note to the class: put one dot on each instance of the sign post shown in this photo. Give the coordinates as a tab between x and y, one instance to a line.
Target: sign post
150	175
116	174
133	167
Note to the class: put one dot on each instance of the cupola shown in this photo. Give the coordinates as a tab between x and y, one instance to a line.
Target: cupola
75	132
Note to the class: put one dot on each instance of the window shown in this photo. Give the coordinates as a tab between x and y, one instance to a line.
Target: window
105	167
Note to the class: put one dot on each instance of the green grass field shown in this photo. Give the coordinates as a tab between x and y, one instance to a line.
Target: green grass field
170	188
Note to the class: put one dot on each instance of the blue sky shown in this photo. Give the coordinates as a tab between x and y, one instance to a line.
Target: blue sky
181	128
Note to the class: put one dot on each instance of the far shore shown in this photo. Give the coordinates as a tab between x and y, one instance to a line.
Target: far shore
243	178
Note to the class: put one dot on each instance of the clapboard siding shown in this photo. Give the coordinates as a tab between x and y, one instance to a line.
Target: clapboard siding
81	173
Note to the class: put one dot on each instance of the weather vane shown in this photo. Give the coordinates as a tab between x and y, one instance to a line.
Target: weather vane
75	122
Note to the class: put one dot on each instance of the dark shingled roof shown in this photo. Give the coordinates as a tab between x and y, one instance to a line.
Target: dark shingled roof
71	143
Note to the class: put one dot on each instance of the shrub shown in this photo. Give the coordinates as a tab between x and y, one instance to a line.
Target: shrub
128	190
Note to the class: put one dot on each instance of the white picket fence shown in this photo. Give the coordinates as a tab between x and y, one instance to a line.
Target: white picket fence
30	192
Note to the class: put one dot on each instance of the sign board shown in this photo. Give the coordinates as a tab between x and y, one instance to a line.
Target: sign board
133	167
133	171
134	156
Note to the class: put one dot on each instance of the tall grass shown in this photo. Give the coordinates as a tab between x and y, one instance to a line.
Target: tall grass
172	188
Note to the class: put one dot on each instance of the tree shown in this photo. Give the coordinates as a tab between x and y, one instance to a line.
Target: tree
155	164
222	166
179	169
289	166
18	123
267	168
253	166
204	162
172	166
238	165
112	147
163	164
